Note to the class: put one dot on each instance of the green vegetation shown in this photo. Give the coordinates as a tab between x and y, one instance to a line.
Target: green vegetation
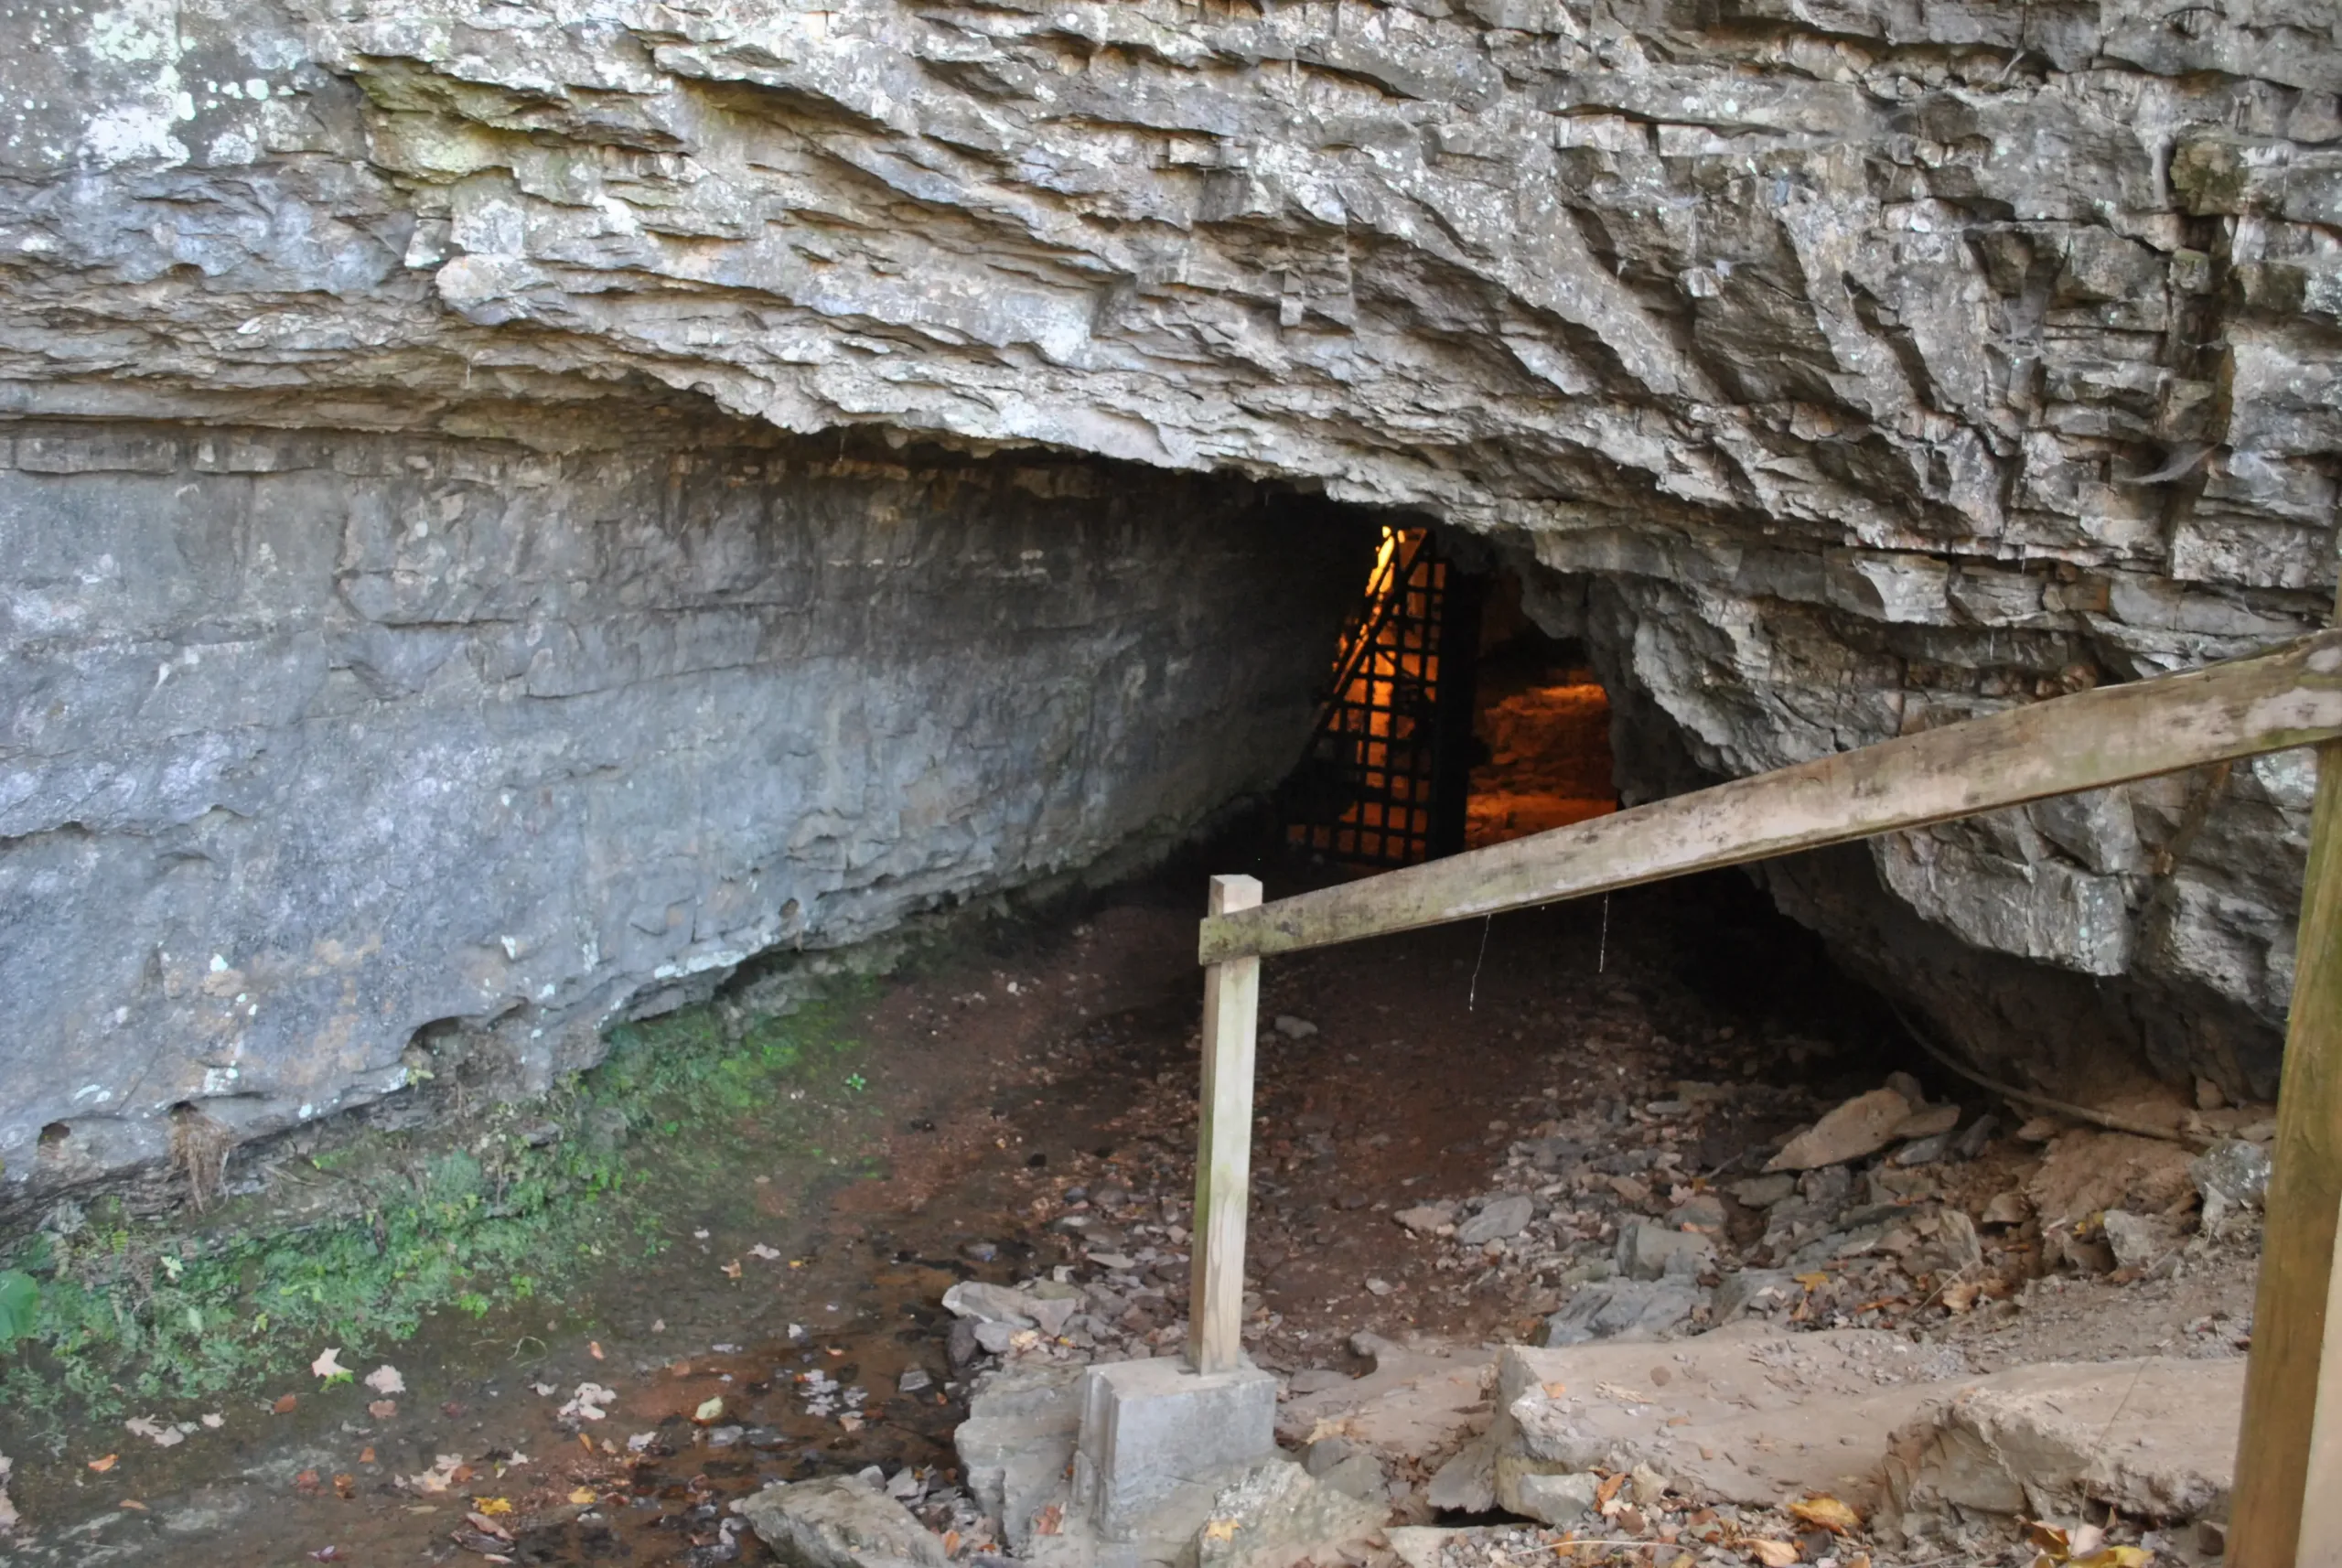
505	1206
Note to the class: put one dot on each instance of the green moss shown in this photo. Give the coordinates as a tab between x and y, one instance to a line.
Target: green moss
132	1312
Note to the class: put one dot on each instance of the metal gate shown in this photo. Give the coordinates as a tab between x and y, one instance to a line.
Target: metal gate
1385	778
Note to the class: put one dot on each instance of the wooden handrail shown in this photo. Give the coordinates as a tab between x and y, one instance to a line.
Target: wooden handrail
2284	1512
2271	701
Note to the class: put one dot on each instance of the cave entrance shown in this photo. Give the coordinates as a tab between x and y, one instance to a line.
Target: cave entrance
1452	720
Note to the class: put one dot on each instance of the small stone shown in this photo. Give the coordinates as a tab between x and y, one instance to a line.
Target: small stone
1927	1120
913	1380
1921	1151
1649	1252
1762	1192
2235	1170
1426	1218
1500	1219
1754	1290
979	1251
2006	1208
1702	1210
1650	1485
1863	1125
989	1303
2138	1241
1909	1088
1971	1143
2208	1096
1294	1028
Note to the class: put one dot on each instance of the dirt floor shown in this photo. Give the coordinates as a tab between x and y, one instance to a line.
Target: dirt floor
1028	1115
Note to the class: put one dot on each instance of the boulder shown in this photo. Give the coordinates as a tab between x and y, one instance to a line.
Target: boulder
1498	1220
1622	1309
838	1522
1863	1125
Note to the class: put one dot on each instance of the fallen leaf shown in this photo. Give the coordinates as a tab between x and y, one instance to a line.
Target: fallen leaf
763	1251
382	1410
732	1269
1774	1553
1554	1390
385	1379
134	1503
1220	1530
583	1495
1826	1513
950	1544
327	1554
1608	1492
1050	1520
345	1484
103	1466
366	1454
594	1348
283	1406
1814	1281
493	1505
487	1526
155	1432
328	1365
2116	1557
709	1410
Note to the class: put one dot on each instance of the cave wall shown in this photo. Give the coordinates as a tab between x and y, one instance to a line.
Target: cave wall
1841	367
314	741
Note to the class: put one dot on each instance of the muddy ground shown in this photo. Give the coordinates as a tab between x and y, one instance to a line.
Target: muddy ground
1023	1108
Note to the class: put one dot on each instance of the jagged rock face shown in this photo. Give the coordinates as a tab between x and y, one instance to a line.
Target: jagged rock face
1838	367
317	744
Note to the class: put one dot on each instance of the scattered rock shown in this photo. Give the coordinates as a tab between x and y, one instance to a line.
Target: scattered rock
1294	1028
1557	1501
2007	1208
2140	1240
2235	1171
1498	1220
1621	1309
1928	1121
1921	1151
990	1303
1467	1482
1863	1125
1427	1219
1651	1252
1764	1191
1765	1291
838	1522
1277	1513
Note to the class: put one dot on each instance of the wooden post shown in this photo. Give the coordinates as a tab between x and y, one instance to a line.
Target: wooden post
2293	1373
2320	1537
1223	1147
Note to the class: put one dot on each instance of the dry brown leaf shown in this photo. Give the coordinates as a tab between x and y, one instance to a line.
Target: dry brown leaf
103	1466
582	1495
1774	1553
594	1348
284	1405
1826	1513
382	1410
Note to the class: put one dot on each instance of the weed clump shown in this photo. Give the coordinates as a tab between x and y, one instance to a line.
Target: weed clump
514	1202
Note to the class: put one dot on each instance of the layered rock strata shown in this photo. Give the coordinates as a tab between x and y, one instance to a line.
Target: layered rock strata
323	747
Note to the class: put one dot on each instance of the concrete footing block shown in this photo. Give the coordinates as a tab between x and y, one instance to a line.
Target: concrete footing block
1150	1427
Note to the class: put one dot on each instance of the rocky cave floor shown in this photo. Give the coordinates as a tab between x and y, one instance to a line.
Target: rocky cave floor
1549	1129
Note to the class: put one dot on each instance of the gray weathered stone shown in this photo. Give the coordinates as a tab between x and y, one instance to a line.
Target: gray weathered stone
840	1521
1498	1220
329	761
